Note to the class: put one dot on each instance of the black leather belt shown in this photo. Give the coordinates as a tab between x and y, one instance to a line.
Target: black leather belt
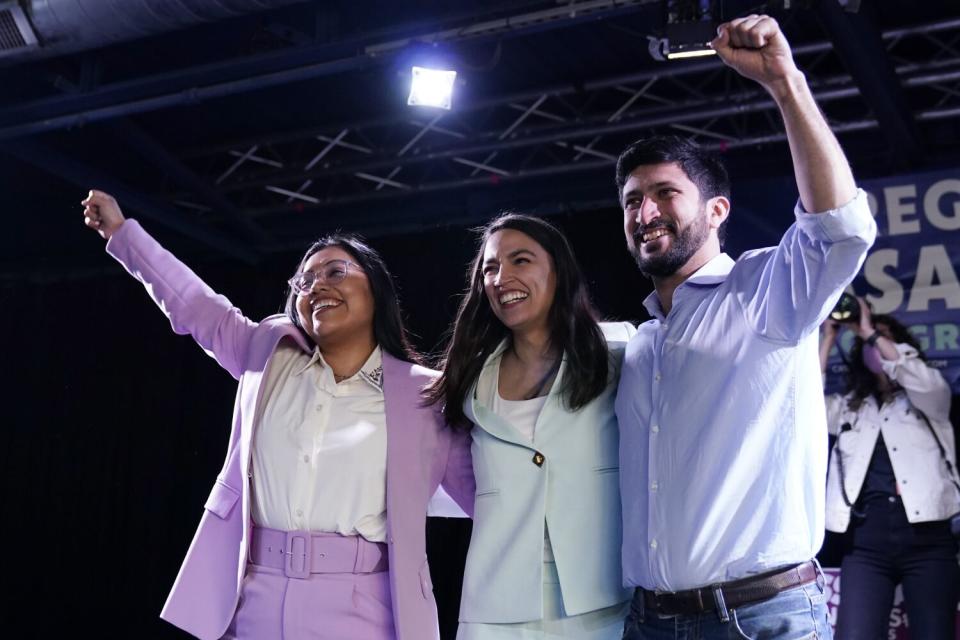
732	594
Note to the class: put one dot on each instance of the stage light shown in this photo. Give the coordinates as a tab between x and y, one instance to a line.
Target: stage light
680	52
689	27
431	87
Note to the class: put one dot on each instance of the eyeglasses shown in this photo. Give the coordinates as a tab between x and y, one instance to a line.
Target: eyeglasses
331	272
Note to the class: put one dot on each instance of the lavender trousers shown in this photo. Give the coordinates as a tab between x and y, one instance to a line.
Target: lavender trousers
319	606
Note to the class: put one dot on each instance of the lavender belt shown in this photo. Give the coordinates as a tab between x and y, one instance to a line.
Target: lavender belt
300	553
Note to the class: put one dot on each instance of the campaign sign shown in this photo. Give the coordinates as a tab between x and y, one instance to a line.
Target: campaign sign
911	270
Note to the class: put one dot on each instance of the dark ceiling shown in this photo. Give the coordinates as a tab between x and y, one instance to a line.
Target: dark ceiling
241	136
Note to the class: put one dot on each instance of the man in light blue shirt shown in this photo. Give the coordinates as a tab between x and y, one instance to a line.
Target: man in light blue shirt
723	443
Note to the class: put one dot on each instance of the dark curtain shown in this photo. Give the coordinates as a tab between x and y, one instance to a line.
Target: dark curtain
114	428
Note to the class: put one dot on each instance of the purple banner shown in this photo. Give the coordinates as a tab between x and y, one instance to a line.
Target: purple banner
911	270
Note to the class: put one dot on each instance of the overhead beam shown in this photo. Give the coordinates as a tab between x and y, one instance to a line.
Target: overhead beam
189	95
154	152
189	86
401	117
859	44
85	176
574	168
750	101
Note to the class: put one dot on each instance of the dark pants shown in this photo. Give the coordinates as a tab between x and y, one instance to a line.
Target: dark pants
883	550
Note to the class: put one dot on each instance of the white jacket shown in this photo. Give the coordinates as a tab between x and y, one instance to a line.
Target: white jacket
923	480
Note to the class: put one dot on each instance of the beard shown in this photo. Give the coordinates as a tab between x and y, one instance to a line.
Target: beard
685	243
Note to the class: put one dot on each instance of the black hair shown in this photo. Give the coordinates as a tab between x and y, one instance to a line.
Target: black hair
702	167
477	332
861	382
388	328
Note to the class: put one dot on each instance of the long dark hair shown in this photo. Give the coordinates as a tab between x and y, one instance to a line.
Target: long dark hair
388	329
861	382
477	331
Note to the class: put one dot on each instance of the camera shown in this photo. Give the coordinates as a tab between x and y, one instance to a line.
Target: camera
847	309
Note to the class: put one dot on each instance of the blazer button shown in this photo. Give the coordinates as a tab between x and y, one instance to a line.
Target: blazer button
538	459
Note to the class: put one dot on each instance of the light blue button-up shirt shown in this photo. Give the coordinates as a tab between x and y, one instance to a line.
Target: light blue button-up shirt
723	445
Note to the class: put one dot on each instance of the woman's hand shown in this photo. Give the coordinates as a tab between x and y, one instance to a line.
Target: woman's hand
829	329
102	213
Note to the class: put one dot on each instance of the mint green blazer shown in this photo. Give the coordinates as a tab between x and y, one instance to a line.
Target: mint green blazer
574	491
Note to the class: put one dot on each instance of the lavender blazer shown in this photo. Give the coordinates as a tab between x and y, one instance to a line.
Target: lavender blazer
422	452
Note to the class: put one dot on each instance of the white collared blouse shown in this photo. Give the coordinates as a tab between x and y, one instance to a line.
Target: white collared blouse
320	448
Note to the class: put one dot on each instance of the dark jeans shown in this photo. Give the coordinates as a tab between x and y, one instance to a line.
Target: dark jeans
884	550
796	614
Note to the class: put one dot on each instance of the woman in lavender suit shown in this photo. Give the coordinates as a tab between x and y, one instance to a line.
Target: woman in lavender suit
315	525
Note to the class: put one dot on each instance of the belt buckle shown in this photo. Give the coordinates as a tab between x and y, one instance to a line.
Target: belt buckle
296	551
821	578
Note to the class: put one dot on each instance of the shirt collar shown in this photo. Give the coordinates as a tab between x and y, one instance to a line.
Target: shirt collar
371	371
713	272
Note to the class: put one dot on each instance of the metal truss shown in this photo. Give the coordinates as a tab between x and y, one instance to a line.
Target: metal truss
556	131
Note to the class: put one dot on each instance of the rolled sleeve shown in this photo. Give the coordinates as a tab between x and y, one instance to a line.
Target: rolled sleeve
787	292
891	367
852	220
925	386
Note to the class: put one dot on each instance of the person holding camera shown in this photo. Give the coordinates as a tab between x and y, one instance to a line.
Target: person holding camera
891	485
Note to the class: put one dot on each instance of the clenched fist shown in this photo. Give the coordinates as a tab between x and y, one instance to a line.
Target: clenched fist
102	213
756	48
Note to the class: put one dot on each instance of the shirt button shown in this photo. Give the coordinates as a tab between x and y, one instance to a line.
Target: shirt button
653	544
894	448
306	458
655	428
657	377
300	512
892	499
654	485
319	407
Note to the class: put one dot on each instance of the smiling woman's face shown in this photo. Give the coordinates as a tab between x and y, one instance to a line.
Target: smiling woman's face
519	280
340	312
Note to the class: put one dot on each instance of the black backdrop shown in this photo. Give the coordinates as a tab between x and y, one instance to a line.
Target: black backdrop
114	428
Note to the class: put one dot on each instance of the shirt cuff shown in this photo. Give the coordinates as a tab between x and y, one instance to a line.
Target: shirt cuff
847	221
890	367
120	239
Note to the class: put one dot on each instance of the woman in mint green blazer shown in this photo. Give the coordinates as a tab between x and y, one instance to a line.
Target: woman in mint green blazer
532	376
